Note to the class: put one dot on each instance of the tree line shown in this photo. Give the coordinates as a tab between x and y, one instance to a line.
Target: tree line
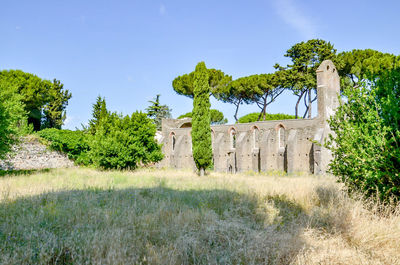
29	103
44	101
366	125
365	143
299	77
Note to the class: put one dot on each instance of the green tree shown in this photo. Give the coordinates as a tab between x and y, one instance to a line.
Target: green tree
36	95
201	131
99	113
13	118
6	139
253	117
54	111
239	91
300	76
186	115
366	146
157	112
357	65
217	80
216	117
266	89
125	142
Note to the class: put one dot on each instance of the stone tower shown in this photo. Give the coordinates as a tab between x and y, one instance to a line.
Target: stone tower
328	87
328	91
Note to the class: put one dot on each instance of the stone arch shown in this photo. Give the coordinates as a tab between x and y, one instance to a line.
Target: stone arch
186	125
232	137
281	135
172	137
255	135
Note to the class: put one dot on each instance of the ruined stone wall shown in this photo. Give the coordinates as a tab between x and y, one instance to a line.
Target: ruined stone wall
31	154
285	145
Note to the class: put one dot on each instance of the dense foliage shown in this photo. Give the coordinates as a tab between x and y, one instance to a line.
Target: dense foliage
366	148
300	75
73	143
54	113
110	142
356	66
216	117
13	120
157	112
201	131
125	142
6	134
252	117
217	80
44	101
99	113
239	91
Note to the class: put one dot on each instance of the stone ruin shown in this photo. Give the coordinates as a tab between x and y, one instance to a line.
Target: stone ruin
283	145
31	154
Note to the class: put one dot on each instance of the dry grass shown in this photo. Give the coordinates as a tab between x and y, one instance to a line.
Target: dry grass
84	216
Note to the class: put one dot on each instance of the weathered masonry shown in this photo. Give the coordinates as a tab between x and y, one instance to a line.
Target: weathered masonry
286	145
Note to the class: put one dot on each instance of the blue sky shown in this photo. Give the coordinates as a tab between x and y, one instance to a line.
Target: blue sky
129	51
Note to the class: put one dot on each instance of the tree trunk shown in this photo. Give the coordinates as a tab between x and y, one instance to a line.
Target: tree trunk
263	110
305	104
296	109
237	109
201	172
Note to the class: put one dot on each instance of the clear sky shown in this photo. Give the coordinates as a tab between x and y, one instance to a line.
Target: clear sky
129	51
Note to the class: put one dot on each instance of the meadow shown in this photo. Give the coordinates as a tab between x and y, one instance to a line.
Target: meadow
149	216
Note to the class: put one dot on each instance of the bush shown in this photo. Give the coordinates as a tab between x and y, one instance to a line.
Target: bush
125	142
252	117
366	149
73	143
13	120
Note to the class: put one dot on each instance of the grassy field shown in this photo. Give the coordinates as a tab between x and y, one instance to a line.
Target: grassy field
83	216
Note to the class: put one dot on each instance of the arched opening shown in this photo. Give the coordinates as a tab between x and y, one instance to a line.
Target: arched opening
232	134
186	125
173	141
281	137
256	137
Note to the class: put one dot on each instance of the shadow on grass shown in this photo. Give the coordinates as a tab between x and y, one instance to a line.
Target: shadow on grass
22	172
150	225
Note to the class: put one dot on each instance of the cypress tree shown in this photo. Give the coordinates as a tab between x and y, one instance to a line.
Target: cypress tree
99	112
201	131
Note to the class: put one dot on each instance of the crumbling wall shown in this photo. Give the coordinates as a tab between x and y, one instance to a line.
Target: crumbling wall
31	154
284	145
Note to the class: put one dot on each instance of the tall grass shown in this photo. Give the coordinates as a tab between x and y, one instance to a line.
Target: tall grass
83	216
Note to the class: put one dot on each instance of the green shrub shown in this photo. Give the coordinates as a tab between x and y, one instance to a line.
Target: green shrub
73	143
252	117
366	149
216	117
125	142
13	120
